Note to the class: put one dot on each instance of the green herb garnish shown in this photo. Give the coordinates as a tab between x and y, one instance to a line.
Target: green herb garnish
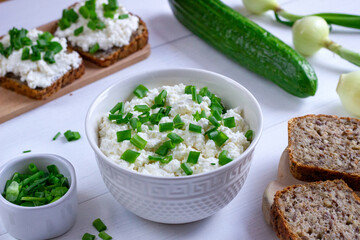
229	122
187	169
94	48
88	236
223	158
220	138
25	54
175	138
140	91
164	127
99	225
193	157
123	16
56	136
123	135
249	135
195	128
141	108
71	136
138	142
26	151
78	31
103	235
130	156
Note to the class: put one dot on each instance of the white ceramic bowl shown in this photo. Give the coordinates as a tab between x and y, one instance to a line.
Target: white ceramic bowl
41	222
175	199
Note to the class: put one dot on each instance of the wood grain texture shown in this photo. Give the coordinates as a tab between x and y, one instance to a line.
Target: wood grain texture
13	104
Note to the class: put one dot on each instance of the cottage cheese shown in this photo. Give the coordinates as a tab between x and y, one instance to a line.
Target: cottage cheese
39	73
183	105
116	33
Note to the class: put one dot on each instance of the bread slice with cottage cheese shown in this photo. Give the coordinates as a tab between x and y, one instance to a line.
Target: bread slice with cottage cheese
318	210
325	147
37	79
116	41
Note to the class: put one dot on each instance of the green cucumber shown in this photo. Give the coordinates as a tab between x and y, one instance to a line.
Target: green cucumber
248	44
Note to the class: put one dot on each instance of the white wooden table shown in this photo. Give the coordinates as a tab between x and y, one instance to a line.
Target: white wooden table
174	46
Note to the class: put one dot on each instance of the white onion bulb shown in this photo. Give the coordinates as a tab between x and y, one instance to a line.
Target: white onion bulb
260	6
348	90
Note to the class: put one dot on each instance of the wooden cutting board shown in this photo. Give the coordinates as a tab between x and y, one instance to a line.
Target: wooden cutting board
13	104
284	179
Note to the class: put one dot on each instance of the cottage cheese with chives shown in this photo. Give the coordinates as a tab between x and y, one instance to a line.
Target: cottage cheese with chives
183	105
117	32
38	73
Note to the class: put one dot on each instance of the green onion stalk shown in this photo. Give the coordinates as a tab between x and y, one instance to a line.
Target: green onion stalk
310	34
261	6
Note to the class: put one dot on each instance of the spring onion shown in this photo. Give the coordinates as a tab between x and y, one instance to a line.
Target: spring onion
88	236
71	136
160	99
109	14
213	121
193	157
115	117
84	12
187	169
175	138
56	136
126	119
25	54
223	158
217	115
156	117
123	16
229	122
178	123
12	191
348	89
188	89
99	225
26	151
49	57
78	31
141	108
145	117
94	48
205	92
138	142
249	135
33	168
140	91
130	156
213	163
310	34
165	111
164	127
220	138
197	116
103	235
211	133
35	55
123	135
164	148
135	124
194	128
164	160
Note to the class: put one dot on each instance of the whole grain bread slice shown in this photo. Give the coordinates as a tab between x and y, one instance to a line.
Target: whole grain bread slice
12	82
318	210
102	58
325	147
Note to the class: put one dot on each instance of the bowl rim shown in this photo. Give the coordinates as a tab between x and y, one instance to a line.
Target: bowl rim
100	154
72	189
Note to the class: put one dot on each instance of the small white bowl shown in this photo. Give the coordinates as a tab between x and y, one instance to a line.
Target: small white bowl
41	222
184	199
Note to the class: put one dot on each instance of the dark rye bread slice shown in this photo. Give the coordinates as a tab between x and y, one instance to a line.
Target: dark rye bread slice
325	147
318	210
12	82
138	40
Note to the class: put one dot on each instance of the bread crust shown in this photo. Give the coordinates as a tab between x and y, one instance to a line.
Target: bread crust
13	84
138	40
313	173
277	218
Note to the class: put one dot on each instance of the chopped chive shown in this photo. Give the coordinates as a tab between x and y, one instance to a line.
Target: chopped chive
130	156
212	163
33	168
213	134
94	48
123	16
138	142
164	127
88	236
223	158
118	107
84	11
164	148
71	136
126	119
249	135
135	124
220	139
178	123
193	93
156	117
99	225
32	199
64	23
55	47
109	14
166	159
213	121
205	92
26	151
188	89
217	115
197	116
210	130
165	111
92	25
12	191
49	57
141	108
193	157
115	116
140	91
160	99
123	135
187	169
175	138
25	54
155	158
53	169
103	235
78	31
35	55
56	136
194	128
145	117
229	122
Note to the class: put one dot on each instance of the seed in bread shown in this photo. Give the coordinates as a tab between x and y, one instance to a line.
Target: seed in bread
318	210
323	147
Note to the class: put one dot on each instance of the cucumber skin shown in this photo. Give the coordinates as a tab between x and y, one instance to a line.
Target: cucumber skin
248	44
